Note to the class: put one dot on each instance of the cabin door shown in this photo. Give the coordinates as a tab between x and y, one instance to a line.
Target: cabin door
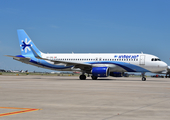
142	60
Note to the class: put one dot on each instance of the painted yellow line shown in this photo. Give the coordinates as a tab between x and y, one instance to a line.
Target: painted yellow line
22	110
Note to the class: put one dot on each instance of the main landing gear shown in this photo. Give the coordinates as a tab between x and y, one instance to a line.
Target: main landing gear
82	77
94	77
143	77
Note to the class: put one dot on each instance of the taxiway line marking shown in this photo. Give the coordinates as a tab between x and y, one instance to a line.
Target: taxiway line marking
22	110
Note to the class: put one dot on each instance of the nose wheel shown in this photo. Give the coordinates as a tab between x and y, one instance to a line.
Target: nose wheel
143	77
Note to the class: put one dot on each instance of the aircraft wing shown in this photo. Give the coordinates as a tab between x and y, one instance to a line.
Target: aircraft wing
68	63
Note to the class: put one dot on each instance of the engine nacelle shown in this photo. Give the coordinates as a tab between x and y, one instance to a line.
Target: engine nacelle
100	71
116	74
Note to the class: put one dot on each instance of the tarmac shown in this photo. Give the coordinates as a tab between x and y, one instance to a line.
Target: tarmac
68	98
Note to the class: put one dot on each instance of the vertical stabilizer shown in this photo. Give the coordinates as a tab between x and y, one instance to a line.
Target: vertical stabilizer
25	43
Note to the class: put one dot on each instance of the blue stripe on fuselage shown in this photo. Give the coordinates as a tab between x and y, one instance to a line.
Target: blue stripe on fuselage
127	66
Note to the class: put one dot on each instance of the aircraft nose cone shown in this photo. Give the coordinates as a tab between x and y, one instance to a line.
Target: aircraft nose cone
164	65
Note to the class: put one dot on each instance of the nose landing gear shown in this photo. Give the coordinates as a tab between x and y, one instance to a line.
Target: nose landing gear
143	77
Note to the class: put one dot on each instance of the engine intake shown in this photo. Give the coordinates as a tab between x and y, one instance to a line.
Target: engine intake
100	71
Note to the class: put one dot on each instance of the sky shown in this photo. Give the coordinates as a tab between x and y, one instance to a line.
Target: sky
85	26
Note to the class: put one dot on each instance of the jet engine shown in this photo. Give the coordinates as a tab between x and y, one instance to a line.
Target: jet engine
100	71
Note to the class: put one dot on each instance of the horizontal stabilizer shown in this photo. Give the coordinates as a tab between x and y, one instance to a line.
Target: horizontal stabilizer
18	56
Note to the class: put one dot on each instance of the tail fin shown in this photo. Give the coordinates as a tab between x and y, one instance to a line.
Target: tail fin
25	43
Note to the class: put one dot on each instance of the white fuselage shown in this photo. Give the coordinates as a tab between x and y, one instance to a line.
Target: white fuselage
146	61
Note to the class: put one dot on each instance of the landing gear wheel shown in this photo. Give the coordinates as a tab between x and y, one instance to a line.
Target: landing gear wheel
94	77
82	77
143	79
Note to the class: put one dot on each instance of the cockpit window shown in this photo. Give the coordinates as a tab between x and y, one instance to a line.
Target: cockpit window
155	59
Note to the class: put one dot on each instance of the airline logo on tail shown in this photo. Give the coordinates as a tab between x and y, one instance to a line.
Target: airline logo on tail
26	45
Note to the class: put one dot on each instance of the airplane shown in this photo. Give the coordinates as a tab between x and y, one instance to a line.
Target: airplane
94	64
